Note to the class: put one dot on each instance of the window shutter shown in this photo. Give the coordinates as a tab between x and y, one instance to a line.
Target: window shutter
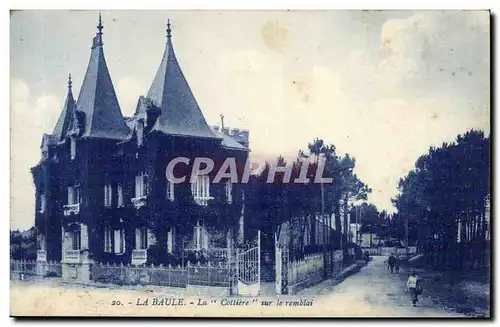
116	241
76	195
195	237
137	239
205	237
144	185
173	238
169	240
70	195
120	195
137	186
122	241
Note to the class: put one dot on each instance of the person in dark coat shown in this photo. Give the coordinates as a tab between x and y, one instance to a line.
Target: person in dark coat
391	262
397	264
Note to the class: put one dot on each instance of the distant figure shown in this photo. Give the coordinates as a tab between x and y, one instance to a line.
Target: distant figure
367	256
391	262
397	264
412	287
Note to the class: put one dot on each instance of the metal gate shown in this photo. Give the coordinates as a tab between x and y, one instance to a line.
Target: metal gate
248	268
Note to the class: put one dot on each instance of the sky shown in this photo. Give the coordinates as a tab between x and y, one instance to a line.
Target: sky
382	86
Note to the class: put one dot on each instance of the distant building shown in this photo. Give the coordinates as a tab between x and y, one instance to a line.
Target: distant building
101	190
356	233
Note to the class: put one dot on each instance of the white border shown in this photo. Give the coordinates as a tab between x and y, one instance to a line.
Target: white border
6	5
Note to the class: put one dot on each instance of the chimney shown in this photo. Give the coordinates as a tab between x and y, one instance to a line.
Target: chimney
225	130
244	136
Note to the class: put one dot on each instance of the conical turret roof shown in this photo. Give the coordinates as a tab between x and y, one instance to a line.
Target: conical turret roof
97	98
64	121
180	113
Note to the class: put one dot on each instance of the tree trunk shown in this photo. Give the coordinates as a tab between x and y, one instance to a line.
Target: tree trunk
338	224
346	229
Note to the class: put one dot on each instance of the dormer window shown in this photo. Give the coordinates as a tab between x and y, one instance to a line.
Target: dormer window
73	148
170	191
108	193
140	132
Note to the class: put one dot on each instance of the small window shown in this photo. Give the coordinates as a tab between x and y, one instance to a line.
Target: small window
170	191
171	239
201	187
140	132
42	203
141	185
142	239
119	237
107	240
73	148
119	191
229	192
76	240
108	193
201	236
74	195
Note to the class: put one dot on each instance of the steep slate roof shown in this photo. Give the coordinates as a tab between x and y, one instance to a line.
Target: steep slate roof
64	121
180	113
97	98
228	141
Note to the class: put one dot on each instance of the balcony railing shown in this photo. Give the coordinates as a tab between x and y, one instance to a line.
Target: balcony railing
139	257
71	209
72	256
41	255
202	200
139	202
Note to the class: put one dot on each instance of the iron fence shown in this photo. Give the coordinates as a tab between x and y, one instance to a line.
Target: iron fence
171	276
301	270
36	268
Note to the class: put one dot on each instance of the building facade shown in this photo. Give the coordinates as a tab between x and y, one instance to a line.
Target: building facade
102	194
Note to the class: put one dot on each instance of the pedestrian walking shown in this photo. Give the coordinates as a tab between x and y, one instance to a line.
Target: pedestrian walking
391	262
397	264
413	287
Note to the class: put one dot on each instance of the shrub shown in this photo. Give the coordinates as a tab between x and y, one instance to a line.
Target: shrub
51	274
158	255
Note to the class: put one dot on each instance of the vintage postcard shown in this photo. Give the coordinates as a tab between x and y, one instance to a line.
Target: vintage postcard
250	163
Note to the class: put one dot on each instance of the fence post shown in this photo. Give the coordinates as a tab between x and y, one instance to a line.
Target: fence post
169	271
258	255
208	273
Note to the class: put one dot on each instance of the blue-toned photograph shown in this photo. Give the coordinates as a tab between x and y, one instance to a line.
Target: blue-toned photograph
289	164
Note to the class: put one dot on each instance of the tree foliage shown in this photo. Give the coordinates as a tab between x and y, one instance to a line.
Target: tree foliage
444	199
